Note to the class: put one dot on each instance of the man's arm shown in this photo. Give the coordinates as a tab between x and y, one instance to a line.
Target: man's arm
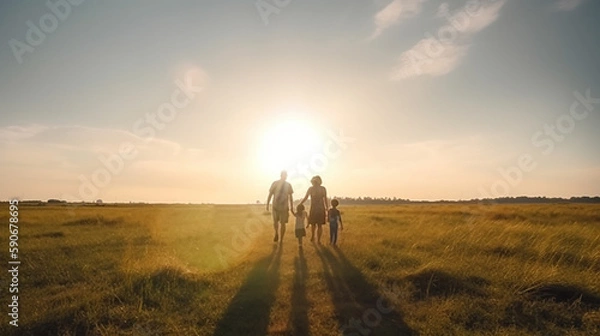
291	196
326	203
340	217
269	199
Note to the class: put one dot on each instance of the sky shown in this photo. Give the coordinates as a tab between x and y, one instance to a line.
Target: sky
207	101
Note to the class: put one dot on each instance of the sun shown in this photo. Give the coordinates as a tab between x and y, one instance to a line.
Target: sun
286	144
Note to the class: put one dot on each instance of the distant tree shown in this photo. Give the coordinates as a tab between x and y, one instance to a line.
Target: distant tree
484	201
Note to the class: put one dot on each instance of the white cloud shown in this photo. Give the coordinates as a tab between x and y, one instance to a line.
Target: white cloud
439	55
566	5
416	62
393	12
482	17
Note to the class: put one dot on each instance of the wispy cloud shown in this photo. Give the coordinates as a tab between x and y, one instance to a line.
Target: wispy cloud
443	10
414	63
81	139
14	133
54	157
482	18
394	12
438	56
566	5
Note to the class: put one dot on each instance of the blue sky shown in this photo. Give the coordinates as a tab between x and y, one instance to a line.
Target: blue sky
435	99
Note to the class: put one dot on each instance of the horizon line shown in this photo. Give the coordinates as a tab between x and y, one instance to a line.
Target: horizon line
362	199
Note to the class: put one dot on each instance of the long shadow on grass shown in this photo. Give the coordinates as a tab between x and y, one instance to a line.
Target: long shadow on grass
300	305
360	309
249	310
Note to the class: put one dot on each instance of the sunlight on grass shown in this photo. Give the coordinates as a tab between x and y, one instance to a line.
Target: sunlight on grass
121	270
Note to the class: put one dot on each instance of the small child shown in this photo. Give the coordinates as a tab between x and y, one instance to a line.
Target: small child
301	217
334	217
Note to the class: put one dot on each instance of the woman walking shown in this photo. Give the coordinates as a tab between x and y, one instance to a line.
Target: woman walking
318	207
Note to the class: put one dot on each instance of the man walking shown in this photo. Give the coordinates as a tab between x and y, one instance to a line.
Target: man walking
281	192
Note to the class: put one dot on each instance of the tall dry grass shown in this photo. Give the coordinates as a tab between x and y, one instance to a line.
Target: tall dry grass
179	270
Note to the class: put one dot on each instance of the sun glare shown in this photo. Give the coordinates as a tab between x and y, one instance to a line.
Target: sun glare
286	144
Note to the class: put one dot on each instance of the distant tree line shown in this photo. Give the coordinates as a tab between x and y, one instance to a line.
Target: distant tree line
372	200
501	200
525	199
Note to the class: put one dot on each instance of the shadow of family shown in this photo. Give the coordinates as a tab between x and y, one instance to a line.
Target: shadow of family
360	309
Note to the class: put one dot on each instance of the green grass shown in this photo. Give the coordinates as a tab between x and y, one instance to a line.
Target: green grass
213	270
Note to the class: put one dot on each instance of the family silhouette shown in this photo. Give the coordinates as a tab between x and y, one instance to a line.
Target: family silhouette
281	193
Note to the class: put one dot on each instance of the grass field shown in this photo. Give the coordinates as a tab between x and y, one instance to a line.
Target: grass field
399	270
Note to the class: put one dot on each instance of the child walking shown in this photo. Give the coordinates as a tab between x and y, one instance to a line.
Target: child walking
335	217
301	217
